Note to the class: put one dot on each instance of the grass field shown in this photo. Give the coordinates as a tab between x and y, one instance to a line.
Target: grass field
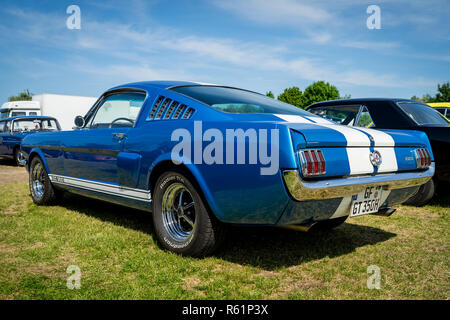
119	258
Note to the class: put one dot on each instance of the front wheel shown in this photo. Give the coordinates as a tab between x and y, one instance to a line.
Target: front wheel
182	221
41	188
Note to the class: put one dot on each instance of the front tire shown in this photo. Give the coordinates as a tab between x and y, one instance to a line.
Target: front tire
183	224
41	189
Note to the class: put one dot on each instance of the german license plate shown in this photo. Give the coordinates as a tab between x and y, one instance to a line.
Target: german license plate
366	202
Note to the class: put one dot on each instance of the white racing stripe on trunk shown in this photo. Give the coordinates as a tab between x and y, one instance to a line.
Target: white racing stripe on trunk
388	159
359	161
354	137
380	138
293	118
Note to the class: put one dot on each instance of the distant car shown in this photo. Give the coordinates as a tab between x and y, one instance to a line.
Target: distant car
201	156
442	107
14	129
387	114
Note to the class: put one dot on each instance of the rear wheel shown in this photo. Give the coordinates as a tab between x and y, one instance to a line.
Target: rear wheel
423	196
182	221
41	188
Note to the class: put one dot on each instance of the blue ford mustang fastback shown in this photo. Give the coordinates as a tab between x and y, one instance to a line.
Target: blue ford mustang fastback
202	156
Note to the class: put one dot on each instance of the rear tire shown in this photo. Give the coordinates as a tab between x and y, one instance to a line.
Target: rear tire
182	221
41	189
423	196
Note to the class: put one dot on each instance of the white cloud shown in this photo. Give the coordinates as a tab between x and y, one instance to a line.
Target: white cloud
284	12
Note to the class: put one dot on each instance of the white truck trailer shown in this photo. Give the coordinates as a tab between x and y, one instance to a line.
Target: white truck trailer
64	107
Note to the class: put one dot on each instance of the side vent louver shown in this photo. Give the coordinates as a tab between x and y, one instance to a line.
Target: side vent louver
162	108
188	113
169	112
179	111
165	108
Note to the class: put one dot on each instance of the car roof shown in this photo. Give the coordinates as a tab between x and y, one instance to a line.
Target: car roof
163	84
155	84
26	117
362	101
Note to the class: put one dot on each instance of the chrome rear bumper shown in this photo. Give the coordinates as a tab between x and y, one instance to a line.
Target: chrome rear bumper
302	190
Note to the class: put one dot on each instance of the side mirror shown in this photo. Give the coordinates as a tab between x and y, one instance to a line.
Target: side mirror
79	121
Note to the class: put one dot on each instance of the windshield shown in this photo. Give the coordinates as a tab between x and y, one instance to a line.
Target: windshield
423	114
35	125
238	101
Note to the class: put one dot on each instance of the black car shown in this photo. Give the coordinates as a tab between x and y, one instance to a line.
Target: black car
381	113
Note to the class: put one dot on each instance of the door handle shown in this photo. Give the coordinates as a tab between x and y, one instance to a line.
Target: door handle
119	136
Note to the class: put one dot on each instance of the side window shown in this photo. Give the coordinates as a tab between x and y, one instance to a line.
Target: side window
32	113
118	111
365	120
2	126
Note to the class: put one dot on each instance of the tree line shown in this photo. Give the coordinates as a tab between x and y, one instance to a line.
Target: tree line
442	95
315	92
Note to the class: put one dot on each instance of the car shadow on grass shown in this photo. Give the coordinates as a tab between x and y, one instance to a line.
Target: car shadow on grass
269	248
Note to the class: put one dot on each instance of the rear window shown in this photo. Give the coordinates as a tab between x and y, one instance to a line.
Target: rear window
231	100
423	114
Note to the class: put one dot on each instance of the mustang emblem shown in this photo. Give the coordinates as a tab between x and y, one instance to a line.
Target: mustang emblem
375	158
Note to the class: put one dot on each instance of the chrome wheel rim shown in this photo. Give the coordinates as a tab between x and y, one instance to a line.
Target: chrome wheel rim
37	181
178	212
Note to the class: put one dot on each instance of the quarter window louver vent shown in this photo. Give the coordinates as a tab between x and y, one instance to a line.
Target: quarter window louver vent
155	107
165	108
171	108
162	108
188	113
179	111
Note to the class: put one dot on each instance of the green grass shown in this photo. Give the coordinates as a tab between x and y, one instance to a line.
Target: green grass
119	257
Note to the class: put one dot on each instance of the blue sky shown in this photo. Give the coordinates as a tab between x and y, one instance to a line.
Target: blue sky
258	45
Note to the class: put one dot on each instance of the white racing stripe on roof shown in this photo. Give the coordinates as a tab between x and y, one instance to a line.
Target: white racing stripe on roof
293	118
319	120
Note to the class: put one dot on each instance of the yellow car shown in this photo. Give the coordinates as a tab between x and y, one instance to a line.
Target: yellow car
442	107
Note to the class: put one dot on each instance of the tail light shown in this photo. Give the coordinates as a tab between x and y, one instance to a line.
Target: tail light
312	162
423	158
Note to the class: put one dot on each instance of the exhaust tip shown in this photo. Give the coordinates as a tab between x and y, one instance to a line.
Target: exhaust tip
385	212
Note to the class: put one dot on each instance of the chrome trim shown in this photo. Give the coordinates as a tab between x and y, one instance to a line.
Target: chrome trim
302	190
